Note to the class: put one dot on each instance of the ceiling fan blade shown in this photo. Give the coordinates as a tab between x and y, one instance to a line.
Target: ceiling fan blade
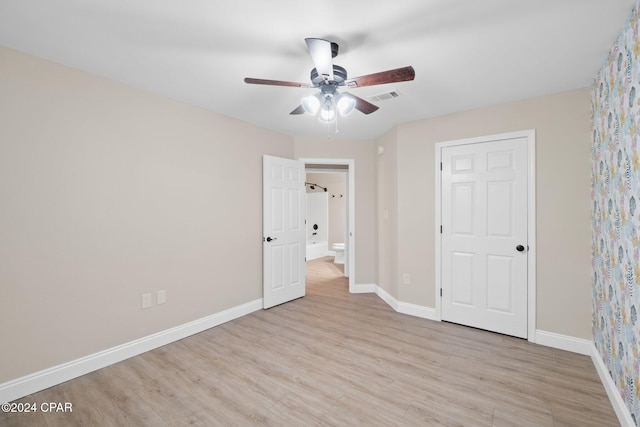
320	51
299	110
274	82
392	76
363	106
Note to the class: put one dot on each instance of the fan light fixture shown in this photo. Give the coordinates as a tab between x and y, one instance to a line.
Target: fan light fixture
329	77
328	105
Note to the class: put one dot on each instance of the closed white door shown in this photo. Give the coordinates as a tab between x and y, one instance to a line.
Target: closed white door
484	235
284	242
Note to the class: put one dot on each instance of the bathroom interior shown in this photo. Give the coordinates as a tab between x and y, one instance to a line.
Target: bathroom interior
326	215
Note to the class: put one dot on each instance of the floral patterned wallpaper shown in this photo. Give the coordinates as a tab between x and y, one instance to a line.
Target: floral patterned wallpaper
615	186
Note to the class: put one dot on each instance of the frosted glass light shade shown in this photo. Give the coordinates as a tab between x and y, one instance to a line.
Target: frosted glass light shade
311	104
345	104
327	114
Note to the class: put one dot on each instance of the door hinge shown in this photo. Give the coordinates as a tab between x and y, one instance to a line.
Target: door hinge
440	292
440	165
440	229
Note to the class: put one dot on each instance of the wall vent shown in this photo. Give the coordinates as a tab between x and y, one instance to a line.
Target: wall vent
384	96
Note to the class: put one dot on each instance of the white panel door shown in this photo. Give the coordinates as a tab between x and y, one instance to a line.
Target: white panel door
484	235
284	241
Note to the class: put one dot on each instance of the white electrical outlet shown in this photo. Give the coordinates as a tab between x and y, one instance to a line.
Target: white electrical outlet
161	297
406	278
146	300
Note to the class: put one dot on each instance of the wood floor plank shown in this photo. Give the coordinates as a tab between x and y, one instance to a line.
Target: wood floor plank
503	417
448	413
333	359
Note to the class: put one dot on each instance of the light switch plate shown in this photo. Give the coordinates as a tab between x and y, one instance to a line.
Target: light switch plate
161	297
146	300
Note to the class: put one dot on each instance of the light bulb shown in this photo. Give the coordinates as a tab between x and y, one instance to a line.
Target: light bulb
328	110
327	114
311	104
345	104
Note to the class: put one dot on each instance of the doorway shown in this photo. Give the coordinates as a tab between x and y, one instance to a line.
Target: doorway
346	167
485	214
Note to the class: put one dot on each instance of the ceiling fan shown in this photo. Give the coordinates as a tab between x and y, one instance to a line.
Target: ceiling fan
329	77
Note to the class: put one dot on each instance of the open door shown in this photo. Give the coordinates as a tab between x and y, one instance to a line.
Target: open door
284	235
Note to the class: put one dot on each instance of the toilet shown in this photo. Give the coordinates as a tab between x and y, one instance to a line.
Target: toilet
338	248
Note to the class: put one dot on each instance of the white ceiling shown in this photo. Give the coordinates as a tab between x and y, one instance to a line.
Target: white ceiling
466	53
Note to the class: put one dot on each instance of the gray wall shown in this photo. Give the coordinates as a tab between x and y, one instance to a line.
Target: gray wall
563	167
109	192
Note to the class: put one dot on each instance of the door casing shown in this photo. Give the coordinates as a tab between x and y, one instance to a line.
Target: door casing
531	219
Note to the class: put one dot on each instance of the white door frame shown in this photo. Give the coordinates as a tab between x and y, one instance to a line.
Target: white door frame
530	135
350	263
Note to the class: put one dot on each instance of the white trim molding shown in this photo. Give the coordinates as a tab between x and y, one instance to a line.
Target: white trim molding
588	348
405	307
545	338
621	410
417	311
49	377
386	297
563	342
367	288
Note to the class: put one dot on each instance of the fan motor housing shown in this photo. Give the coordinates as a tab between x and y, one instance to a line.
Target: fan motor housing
334	49
339	76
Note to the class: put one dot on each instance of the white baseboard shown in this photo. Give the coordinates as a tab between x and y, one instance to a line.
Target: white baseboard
386	297
368	288
588	348
549	339
417	311
46	378
624	416
405	307
563	342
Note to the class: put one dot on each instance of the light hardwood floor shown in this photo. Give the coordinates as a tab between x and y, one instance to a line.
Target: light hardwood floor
335	359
